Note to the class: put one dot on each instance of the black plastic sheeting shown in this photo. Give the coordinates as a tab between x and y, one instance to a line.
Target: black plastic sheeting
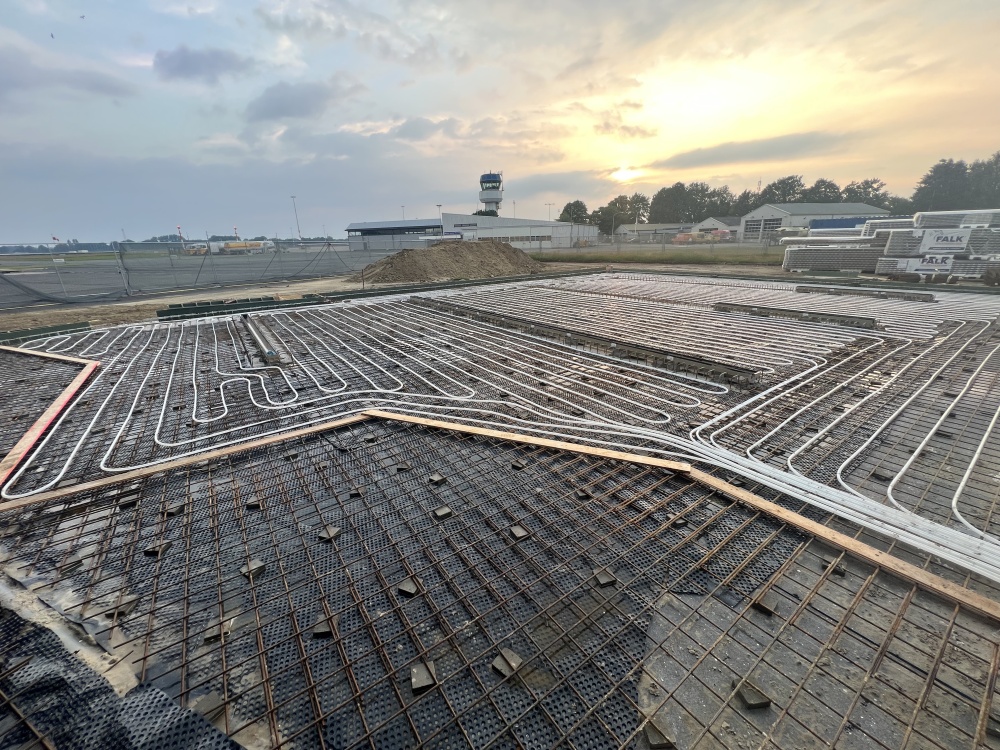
57	696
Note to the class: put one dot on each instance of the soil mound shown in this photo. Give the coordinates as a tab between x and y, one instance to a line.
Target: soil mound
454	259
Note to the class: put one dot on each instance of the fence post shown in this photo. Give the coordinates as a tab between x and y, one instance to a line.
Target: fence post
55	266
117	248
211	260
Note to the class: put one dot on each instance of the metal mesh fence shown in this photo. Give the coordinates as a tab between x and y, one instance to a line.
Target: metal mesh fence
55	274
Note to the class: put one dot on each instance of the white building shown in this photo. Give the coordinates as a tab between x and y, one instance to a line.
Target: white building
771	217
718	224
648	233
525	234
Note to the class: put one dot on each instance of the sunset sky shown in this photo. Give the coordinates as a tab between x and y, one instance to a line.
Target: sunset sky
145	114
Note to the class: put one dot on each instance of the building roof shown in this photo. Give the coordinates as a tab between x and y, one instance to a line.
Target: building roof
729	221
360	226
629	226
827	209
499	221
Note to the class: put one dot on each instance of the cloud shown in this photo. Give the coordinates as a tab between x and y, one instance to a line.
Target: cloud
186	9
18	72
579	183
286	100
374	32
421	128
207	65
611	123
779	148
36	7
134	59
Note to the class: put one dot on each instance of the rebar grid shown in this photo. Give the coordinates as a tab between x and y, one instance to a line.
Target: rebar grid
591	654
900	317
32	383
205	386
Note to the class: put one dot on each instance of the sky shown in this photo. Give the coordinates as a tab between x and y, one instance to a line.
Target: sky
135	116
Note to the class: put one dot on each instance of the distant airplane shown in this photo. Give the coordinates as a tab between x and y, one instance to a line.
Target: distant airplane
52	35
82	17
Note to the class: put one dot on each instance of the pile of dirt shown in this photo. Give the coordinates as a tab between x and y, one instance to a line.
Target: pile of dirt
454	259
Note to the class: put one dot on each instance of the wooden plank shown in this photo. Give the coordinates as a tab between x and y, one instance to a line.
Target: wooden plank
970	600
29	438
47	355
935	584
889	563
179	463
515	437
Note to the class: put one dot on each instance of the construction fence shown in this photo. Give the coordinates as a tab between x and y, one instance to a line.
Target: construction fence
56	275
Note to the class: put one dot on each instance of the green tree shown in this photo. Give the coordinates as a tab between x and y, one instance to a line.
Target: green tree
871	191
575	212
696	203
746	202
612	215
984	182
822	191
898	205
718	203
944	188
485	212
785	190
669	204
638	207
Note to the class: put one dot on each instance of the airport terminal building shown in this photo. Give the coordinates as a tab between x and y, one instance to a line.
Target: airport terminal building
524	234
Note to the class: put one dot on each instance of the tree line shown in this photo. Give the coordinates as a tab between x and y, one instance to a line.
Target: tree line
948	185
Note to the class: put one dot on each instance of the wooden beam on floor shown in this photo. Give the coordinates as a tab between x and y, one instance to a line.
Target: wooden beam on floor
970	600
179	463
952	592
29	438
967	598
46	355
517	437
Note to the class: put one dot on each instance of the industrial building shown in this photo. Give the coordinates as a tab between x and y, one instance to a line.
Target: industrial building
718	224
770	218
595	511
649	233
524	234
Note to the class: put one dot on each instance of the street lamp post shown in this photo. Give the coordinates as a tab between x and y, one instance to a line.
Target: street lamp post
403	209
439	218
613	216
550	205
296	210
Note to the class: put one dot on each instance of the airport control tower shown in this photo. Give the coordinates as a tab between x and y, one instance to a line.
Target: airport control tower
491	190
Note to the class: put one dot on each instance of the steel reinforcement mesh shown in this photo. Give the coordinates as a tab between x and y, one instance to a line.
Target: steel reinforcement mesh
31	384
388	585
49	699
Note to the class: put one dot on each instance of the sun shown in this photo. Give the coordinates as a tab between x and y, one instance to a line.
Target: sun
625	174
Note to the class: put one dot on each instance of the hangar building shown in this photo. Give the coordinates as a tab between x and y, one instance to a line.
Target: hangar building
774	216
525	234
